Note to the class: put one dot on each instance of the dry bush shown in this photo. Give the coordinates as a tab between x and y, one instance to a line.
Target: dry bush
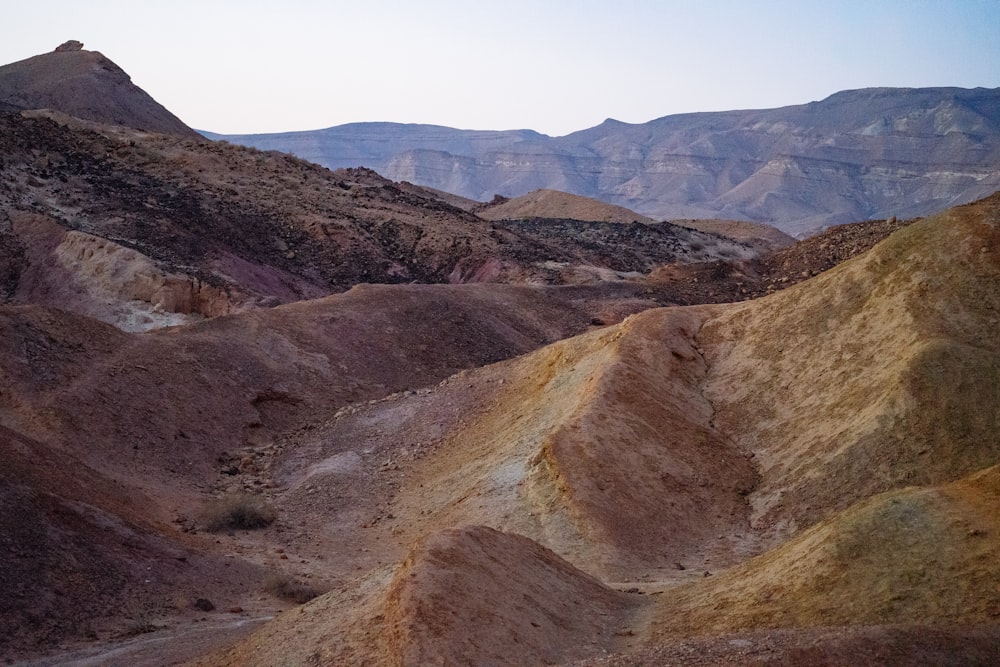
289	588
140	618
237	511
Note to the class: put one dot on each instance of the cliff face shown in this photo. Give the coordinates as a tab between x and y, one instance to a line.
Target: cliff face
856	155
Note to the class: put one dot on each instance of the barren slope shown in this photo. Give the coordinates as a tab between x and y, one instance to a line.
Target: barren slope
636	452
536	453
87	85
879	373
218	383
917	555
144	230
555	204
181	415
684	441
524	604
899	645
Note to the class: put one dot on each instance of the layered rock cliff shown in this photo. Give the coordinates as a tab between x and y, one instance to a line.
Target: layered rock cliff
856	155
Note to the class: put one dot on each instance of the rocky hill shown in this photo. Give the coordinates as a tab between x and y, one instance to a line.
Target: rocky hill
856	155
87	85
786	464
221	443
113	209
144	229
554	204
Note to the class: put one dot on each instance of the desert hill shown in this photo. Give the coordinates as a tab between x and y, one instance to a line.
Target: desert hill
256	412
856	155
87	85
797	447
755	233
555	204
144	230
101	429
907	556
525	601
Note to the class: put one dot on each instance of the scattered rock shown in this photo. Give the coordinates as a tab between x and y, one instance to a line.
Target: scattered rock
71	45
204	604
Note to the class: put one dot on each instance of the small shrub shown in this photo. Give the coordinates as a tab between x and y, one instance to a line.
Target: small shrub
140	626
140	620
289	588
237	511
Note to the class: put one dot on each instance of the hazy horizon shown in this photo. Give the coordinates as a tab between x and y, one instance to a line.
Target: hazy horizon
241	68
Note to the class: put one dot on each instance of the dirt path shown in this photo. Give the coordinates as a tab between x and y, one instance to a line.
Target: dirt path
169	646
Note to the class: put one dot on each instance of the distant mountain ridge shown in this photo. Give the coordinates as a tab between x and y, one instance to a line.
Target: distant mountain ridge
856	155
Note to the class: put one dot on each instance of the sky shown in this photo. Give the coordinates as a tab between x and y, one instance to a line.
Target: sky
555	67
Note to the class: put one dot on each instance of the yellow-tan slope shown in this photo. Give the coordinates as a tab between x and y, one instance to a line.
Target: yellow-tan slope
880	373
600	447
463	596
915	555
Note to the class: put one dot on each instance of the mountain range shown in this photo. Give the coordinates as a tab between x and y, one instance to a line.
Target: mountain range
856	155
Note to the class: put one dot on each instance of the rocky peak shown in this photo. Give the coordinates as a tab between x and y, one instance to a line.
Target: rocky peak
87	85
71	45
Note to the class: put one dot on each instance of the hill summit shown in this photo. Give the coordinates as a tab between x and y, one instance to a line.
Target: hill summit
87	85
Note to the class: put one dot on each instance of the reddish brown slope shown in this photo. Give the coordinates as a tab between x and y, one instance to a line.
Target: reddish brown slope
143	230
81	556
634	448
538	448
557	205
463	596
87	85
170	412
225	383
527	604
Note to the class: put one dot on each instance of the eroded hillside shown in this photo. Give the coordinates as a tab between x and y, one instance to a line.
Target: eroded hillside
760	467
785	463
144	230
221	444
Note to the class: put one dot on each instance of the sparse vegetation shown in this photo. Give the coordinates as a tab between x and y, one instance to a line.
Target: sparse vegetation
237	511
140	626
140	621
289	588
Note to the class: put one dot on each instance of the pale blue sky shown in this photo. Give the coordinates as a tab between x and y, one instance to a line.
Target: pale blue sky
555	67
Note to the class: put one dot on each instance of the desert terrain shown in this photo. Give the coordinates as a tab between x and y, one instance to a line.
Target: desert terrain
854	155
257	412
